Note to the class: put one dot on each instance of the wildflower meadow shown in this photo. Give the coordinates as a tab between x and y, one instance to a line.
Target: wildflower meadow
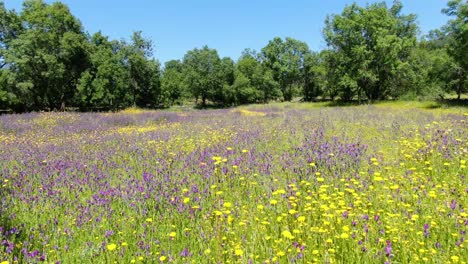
279	183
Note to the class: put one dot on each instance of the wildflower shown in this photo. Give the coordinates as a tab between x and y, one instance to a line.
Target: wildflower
185	253
111	247
426	228
172	234
238	252
149	220
388	248
162	258
455	259
207	251
227	205
287	234
344	235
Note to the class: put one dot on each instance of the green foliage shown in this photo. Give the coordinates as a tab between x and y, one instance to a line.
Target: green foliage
47	62
261	84
105	83
286	59
173	83
457	48
371	44
204	75
48	55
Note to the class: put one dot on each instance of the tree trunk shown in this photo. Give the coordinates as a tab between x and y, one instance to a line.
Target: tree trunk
461	83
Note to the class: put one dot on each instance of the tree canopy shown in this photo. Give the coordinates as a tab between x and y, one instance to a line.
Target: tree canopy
49	62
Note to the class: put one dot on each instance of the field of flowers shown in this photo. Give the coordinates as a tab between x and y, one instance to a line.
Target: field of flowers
260	184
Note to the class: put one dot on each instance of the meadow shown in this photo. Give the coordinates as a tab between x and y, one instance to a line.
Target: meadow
281	183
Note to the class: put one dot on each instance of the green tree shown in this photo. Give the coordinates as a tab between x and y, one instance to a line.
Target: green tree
457	29
105	84
172	82
371	44
202	69
314	76
260	86
144	71
286	59
47	56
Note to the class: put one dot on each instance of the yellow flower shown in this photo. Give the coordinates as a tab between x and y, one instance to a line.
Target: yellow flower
238	252
280	253
149	220
455	259
4	262
172	234
315	252
227	204
207	251
162	258
344	235
273	202
111	247
287	234
186	200
124	244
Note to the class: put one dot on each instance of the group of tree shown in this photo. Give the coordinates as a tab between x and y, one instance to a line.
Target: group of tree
48	62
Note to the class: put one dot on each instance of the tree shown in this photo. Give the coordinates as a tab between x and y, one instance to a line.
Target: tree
314	76
371	44
144	72
457	30
172	82
255	78
47	55
202	68
105	84
286	60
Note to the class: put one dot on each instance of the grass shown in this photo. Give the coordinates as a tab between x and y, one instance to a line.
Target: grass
276	183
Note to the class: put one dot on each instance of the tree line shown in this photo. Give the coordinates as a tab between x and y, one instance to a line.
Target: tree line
48	62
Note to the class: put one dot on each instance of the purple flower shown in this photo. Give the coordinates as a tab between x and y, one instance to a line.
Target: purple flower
453	204
345	214
388	249
426	228
185	253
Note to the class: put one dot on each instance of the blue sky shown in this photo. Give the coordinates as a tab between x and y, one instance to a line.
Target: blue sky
176	26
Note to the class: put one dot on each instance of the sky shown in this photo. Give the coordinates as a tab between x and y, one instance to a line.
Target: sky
229	26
